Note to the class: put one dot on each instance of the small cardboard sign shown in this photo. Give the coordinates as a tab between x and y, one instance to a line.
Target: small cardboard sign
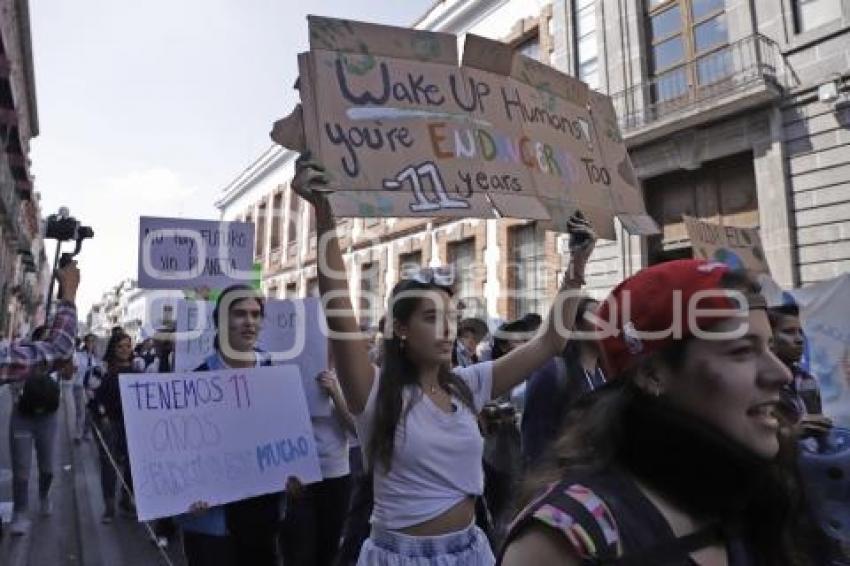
178	253
740	248
215	436
293	332
405	131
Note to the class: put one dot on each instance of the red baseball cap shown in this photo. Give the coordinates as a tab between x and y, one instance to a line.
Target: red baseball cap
660	305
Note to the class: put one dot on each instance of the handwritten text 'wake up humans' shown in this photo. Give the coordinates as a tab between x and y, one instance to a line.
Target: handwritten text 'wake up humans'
478	98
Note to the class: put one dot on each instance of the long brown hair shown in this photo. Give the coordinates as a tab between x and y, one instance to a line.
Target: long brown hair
594	436
398	372
110	356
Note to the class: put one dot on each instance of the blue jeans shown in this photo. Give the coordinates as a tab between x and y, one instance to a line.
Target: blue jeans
25	432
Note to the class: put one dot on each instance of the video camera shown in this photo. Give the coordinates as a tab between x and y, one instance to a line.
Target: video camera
63	227
66	228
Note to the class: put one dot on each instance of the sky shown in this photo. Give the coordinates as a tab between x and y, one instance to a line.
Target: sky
151	108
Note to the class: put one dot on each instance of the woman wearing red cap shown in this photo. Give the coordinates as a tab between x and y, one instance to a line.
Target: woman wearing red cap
683	457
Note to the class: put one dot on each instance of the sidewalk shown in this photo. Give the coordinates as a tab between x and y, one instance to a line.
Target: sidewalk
74	532
59	529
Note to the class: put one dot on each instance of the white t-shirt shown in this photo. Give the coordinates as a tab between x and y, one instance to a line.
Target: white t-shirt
83	361
436	460
331	446
140	365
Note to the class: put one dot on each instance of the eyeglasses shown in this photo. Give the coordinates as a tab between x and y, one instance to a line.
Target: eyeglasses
444	276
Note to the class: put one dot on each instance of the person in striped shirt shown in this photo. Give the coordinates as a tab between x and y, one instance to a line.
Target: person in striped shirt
22	359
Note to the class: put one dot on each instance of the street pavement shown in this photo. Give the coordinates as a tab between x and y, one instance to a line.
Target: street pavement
73	534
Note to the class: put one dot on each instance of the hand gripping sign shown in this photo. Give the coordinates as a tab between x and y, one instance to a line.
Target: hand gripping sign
405	131
215	436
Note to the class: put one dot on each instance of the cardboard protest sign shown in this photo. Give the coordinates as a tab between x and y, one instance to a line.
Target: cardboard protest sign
177	253
293	332
740	248
216	436
405	131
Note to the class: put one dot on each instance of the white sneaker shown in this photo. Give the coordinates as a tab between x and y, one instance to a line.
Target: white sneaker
20	526
46	507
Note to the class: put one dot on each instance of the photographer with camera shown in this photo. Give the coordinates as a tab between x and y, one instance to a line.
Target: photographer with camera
24	358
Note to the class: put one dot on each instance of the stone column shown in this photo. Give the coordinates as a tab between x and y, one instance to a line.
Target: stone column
774	194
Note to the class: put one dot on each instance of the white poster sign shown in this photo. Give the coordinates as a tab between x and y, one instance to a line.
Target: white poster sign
216	436
825	313
293	332
178	253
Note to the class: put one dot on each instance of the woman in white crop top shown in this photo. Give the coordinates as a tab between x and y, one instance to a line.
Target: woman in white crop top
415	417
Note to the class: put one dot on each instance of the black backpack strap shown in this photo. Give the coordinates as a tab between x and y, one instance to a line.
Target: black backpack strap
670	550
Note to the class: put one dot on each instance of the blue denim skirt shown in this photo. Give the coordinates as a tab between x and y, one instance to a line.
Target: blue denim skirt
468	547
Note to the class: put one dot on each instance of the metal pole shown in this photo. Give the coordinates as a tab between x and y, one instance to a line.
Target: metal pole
52	280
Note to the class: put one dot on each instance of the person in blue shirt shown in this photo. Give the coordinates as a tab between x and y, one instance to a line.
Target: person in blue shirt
241	532
802	397
553	388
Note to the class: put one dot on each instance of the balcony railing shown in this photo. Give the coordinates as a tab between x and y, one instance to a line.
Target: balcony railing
749	62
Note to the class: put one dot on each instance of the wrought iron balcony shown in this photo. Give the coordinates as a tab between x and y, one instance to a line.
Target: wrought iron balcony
745	72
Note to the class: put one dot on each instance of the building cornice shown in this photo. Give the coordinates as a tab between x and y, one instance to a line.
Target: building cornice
265	164
456	16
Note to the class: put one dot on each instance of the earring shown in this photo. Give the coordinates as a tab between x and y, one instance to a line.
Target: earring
403	343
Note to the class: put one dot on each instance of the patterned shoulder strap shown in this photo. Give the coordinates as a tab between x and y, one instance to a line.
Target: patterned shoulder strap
580	515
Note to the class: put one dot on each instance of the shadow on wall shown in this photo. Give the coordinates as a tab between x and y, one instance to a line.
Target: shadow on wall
842	113
797	135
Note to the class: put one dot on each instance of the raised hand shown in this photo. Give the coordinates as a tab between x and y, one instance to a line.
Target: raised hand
311	182
329	384
294	487
69	279
199	507
582	242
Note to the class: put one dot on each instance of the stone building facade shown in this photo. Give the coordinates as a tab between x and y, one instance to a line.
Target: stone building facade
139	312
734	111
23	263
